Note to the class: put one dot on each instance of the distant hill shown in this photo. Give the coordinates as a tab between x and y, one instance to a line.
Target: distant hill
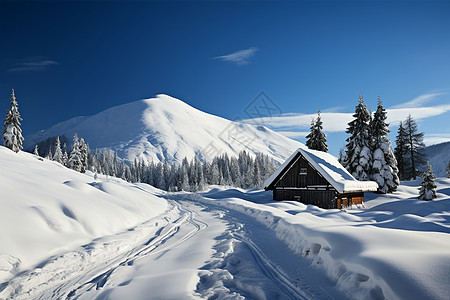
438	156
165	128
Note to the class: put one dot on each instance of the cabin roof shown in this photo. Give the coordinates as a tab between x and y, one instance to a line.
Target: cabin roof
329	167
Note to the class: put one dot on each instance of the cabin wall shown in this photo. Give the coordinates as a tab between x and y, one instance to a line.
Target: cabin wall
321	198
303	183
292	177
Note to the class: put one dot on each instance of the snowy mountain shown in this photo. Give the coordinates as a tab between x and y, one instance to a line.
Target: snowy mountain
165	128
438	156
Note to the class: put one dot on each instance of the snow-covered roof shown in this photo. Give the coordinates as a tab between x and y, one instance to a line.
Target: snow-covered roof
330	168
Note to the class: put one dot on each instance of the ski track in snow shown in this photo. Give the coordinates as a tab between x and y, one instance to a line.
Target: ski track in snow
91	266
85	272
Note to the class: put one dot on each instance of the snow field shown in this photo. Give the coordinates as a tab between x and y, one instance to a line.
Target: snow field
66	235
394	250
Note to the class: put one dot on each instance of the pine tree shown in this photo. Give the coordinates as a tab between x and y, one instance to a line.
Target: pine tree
358	155
58	156
400	151
36	150
84	151
74	161
384	169
316	138
12	133
448	169
427	186
49	155
416	147
65	156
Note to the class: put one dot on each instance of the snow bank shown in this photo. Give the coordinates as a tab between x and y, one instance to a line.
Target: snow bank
47	208
397	249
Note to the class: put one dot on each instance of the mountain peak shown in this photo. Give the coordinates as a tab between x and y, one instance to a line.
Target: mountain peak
166	128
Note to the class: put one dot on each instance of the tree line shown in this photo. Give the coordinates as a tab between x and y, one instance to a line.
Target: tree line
244	171
368	153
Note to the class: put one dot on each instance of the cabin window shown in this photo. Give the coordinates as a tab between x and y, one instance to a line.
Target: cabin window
303	171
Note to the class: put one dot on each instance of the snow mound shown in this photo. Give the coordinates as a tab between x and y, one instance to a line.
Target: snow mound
47	208
165	128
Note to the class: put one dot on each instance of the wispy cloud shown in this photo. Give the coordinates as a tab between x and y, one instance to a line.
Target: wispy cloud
241	57
294	125
436	138
419	101
32	64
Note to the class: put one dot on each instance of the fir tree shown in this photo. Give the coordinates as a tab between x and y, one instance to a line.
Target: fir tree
427	186
74	161
358	155
384	169
400	151
12	133
58	156
65	158
316	138
416	147
49	155
84	151
36	150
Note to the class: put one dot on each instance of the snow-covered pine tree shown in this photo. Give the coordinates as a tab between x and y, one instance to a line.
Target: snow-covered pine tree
448	169
184	175
58	156
36	150
416	146
384	169
12	133
160	181
49	155
65	156
84	152
74	161
316	138
400	151
427	186
358	155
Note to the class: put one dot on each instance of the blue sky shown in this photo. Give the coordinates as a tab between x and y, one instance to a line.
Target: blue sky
79	58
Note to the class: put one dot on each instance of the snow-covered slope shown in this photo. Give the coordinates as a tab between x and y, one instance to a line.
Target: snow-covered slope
46	208
438	156
165	128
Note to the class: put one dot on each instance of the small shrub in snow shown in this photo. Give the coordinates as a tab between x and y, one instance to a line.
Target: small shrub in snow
427	186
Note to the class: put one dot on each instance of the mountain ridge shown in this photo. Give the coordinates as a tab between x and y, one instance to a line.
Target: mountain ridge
164	128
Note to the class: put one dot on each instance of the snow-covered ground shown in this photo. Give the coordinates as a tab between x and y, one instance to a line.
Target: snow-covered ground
67	235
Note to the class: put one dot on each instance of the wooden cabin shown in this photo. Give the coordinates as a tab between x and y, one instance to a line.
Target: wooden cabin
315	177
